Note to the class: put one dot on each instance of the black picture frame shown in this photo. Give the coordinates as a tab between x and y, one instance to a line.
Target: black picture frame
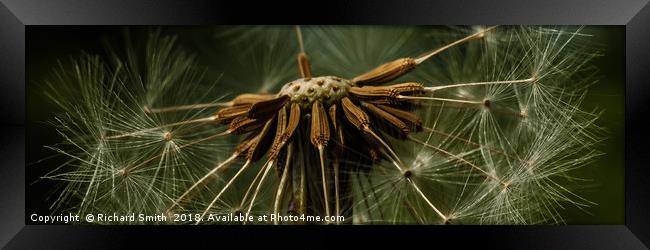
15	15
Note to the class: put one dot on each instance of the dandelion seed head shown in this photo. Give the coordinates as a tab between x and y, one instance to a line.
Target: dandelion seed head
500	131
325	89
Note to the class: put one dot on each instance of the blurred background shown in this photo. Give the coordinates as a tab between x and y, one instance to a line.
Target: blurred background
49	45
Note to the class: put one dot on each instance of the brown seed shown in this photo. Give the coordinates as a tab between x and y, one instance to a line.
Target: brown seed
267	108
320	82
332	114
385	72
320	130
227	114
387	117
292	124
261	144
408	117
279	131
408	88
375	94
337	129
244	145
386	94
296	88
250	99
354	114
244	124
303	64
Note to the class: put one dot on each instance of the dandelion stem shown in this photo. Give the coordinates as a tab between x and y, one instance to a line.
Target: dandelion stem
303	61
321	150
302	206
269	165
300	40
403	97
428	55
336	189
388	148
223	190
417	189
186	107
470	84
250	187
214	170
283	181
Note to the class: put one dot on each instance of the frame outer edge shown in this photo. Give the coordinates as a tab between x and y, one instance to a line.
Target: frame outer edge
637	92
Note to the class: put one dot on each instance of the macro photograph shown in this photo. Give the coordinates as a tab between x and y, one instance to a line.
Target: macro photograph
325	124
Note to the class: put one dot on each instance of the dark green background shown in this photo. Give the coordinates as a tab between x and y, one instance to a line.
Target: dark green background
48	44
607	187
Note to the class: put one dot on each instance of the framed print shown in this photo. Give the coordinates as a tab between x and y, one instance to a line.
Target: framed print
514	125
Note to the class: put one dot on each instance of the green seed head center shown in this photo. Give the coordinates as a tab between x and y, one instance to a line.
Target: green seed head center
326	89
